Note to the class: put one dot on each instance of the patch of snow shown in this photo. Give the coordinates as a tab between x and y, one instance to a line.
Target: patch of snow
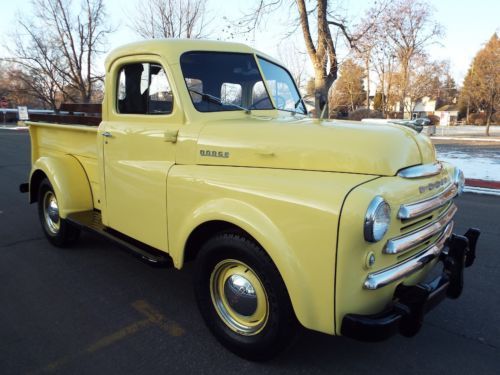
478	167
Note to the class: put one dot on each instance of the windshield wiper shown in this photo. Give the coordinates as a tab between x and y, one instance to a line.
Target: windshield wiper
213	99
301	100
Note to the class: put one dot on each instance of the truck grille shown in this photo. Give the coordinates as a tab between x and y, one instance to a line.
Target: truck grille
418	209
414	238
422	222
425	226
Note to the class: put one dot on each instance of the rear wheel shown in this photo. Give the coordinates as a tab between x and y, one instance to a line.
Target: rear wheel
242	297
57	230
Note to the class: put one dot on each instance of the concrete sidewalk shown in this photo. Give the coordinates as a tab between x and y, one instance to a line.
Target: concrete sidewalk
467	131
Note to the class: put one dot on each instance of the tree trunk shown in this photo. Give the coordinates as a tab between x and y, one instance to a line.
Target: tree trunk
488	121
367	66
320	95
405	67
382	83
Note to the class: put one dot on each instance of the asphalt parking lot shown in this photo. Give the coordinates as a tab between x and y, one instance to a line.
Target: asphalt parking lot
95	309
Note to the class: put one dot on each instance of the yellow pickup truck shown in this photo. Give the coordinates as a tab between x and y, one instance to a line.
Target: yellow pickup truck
205	153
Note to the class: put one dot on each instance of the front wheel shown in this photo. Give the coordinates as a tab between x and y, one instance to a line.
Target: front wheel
58	231
242	297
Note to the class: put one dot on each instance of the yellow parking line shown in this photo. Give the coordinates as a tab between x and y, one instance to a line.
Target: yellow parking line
152	318
118	335
155	317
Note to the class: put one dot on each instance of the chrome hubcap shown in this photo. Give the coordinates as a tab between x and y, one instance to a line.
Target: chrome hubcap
51	212
239	297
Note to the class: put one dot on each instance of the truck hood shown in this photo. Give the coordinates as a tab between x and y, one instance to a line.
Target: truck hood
309	144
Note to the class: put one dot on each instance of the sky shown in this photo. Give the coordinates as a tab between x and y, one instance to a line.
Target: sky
468	25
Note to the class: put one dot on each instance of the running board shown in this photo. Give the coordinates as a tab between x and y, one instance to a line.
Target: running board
91	220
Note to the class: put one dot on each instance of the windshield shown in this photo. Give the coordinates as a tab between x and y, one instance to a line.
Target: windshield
282	87
220	81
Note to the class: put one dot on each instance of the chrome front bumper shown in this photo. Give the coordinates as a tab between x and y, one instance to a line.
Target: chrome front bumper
410	303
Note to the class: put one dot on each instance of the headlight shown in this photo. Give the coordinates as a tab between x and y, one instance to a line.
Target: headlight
377	219
459	180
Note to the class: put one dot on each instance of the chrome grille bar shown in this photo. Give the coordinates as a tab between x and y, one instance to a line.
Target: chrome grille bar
412	210
405	243
408	267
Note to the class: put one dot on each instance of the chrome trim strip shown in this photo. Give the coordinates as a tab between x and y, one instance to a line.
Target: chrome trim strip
401	244
412	210
420	171
404	269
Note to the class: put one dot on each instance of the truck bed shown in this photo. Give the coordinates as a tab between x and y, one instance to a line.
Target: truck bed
79	141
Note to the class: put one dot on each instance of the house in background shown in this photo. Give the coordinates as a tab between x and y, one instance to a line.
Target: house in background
448	114
422	107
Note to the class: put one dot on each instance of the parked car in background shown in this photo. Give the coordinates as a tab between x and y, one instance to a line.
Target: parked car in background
422	121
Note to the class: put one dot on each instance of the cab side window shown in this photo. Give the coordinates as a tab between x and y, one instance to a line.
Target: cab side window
143	88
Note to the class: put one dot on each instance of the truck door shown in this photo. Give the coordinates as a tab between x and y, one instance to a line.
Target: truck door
139	148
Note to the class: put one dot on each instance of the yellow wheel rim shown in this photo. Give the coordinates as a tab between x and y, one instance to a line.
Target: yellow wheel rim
239	297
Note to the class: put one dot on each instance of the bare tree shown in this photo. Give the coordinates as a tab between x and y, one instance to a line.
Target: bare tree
36	64
295	62
377	56
56	48
366	48
421	81
372	46
320	43
383	61
4	85
30	83
409	27
170	19
16	86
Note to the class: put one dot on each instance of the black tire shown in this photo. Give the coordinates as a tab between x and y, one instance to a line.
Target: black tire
58	231
277	330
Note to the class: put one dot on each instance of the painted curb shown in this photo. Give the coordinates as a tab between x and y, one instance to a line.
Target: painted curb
476	186
487	184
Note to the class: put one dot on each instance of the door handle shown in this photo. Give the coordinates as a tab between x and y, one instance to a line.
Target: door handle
170	136
107	134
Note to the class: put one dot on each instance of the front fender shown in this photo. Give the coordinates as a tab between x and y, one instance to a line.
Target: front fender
293	215
265	232
69	180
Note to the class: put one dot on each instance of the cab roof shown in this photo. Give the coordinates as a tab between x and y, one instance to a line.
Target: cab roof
172	49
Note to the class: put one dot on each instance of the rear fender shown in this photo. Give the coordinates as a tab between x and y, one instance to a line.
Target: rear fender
69	180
